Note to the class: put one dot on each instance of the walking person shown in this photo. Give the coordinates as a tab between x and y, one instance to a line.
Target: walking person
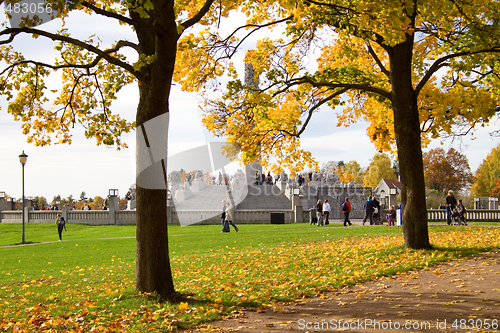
326	211
230	217
346	209
368	211
451	203
225	225
61	224
319	212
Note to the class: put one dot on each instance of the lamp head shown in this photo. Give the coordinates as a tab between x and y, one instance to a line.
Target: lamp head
23	158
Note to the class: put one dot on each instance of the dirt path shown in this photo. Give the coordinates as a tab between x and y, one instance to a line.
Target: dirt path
457	296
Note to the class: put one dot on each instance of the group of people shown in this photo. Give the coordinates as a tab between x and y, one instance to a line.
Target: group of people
263	179
323	212
455	212
372	212
43	207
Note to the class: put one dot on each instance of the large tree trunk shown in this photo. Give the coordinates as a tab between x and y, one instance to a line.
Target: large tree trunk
407	129
157	37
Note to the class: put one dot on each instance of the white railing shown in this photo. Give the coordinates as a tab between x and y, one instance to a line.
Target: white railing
95	217
42	216
11	216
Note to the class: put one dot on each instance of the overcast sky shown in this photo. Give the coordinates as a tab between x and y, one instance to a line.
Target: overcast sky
83	166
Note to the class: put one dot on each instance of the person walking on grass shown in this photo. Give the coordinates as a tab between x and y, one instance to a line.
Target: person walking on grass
326	211
368	211
230	217
61	224
319	212
225	225
346	209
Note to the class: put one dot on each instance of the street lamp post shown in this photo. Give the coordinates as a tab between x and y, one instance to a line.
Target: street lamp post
22	158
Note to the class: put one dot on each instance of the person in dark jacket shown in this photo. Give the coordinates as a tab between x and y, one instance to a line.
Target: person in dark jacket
368	211
61	224
451	203
319	212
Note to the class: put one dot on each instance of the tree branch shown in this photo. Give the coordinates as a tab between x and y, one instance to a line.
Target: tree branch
103	12
442	62
349	86
377	60
311	110
196	18
101	54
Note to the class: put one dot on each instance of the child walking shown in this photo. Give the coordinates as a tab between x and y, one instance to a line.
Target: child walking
391	217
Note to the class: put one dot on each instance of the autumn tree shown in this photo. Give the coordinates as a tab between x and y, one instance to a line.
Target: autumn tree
70	199
350	172
495	191
92	73
39	201
56	199
379	168
98	201
330	166
487	174
413	69
446	170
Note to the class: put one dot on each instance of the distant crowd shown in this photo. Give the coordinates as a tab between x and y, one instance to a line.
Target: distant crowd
72	207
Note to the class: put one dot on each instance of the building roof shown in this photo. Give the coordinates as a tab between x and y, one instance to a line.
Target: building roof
393	183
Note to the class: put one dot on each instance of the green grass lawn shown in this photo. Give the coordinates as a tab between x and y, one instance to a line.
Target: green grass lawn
86	282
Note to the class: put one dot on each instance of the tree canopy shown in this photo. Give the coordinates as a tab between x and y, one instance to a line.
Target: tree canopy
413	69
380	168
453	72
446	171
350	172
487	174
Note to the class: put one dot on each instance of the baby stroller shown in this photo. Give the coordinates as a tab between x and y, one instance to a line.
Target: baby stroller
457	219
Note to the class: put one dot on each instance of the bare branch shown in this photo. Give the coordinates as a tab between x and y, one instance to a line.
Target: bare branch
377	60
101	54
315	107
